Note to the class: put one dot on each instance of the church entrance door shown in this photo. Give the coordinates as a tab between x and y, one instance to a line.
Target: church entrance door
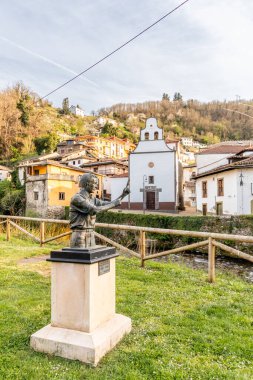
150	200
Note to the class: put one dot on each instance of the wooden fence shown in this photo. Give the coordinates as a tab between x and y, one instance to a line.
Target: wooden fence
210	239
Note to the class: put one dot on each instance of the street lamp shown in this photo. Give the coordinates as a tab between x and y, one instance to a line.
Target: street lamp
145	179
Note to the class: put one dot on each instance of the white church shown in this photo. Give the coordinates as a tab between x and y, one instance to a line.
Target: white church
152	173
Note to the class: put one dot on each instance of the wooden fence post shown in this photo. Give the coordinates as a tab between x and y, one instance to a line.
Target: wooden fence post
211	260
42	233
142	247
8	229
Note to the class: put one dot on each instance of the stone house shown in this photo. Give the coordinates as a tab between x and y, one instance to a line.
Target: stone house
107	167
50	185
70	146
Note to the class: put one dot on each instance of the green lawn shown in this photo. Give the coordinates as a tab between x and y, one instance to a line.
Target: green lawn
183	327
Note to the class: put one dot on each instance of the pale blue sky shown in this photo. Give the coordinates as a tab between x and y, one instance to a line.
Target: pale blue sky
204	50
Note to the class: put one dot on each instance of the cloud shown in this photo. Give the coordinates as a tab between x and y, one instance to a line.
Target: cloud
45	59
203	50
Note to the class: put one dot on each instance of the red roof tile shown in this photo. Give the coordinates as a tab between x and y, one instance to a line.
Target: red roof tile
245	163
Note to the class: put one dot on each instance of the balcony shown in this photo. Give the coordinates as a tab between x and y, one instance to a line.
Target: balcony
51	176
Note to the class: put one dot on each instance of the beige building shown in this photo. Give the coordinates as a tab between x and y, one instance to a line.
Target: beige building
110	147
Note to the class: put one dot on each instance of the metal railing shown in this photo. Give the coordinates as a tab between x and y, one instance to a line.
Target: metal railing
210	239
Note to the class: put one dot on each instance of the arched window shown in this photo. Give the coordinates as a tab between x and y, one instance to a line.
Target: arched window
156	136
146	135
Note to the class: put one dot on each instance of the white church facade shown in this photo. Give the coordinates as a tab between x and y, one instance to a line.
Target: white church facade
152	172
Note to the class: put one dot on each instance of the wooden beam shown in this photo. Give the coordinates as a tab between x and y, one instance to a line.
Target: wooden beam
24	231
211	260
142	247
42	233
177	250
8	229
59	221
197	234
117	245
233	252
57	237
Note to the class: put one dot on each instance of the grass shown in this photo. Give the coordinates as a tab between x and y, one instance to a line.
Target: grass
183	327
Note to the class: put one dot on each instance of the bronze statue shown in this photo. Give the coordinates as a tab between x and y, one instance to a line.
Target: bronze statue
83	210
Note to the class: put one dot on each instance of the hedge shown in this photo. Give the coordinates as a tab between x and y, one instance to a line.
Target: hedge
241	225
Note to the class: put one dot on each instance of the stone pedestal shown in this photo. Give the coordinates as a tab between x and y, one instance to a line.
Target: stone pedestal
84	325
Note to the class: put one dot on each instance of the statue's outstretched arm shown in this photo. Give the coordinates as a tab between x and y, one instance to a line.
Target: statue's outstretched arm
115	203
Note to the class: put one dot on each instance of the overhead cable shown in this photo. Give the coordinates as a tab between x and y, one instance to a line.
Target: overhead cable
116	50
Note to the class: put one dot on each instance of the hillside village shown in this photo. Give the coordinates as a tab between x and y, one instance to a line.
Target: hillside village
126	190
120	144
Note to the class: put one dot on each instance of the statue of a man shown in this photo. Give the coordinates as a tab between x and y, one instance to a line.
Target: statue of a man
83	210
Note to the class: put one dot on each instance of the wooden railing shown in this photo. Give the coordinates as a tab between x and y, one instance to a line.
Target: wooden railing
210	239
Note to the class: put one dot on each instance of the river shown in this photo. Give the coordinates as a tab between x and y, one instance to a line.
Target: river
199	260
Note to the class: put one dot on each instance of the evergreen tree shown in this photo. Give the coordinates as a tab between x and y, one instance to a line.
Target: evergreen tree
65	106
24	108
177	97
165	96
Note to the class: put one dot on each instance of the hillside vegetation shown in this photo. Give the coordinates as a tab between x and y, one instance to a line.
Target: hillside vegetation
29	125
206	122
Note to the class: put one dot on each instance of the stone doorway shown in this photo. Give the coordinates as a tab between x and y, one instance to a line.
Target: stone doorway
150	204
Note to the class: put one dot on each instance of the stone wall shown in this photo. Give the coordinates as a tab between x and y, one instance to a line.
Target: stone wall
39	207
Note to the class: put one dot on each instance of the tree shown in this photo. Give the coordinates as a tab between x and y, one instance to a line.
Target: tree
109	129
65	106
46	144
13	203
165	96
24	107
177	97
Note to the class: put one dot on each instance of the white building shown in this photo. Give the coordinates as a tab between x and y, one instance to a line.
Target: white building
152	172
216	155
227	189
117	183
5	173
189	185
187	141
77	111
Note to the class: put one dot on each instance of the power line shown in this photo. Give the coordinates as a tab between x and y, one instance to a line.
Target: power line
247	105
114	51
241	113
